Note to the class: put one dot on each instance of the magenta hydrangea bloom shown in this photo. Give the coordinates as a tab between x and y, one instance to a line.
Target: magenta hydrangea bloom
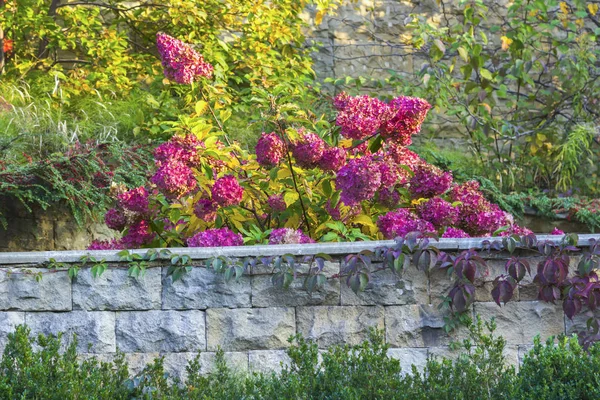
227	191
270	149
515	229
175	179
206	210
358	180
181	148
407	115
455	233
438	211
180	61
341	101
401	155
400	222
557	231
333	159
388	196
308	150
277	203
429	181
138	235
135	200
113	244
115	219
216	238
334	212
288	236
360	116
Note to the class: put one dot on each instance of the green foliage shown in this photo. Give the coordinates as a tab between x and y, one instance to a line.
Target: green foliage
79	178
519	87
564	371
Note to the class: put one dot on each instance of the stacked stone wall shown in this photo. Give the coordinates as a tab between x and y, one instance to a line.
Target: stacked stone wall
250	319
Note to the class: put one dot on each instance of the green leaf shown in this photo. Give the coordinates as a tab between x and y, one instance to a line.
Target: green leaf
486	74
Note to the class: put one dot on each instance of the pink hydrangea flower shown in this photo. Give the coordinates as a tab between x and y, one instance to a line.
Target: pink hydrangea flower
135	200
358	180
138	235
400	222
360	116
277	203
308	150
429	181
227	191
388	196
206	210
516	230
407	115
115	219
180	61
439	212
216	238
181	148
333	159
557	231
456	233
175	179
341	101
288	236
269	149
334	212
113	244
402	155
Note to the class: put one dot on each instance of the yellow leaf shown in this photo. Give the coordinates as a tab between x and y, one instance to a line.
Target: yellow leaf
290	198
564	7
363	220
283	173
201	107
319	17
593	8
506	42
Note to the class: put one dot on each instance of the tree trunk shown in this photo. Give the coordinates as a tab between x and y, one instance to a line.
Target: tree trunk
43	49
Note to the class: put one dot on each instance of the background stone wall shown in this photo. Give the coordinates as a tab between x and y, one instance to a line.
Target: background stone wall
250	319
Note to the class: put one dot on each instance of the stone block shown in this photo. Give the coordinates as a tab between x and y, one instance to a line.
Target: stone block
8	323
519	322
176	363
160	331
203	288
250	328
386	288
338	325
408	357
115	290
267	361
21	292
95	330
416	325
265	294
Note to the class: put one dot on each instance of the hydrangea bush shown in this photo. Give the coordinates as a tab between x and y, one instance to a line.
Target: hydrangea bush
304	177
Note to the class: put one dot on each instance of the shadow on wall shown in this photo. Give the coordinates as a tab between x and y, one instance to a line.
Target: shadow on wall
52	229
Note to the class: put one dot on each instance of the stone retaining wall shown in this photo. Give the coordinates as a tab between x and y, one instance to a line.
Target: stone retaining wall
250	319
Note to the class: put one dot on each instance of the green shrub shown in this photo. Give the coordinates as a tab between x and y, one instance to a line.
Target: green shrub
39	369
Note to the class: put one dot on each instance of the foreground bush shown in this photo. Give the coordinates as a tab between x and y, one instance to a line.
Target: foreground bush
549	371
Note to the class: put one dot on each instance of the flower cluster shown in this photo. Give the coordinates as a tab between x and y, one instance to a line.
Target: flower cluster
401	222
115	219
276	203
308	150
429	181
288	236
408	115
135	200
180	61
333	159
174	179
138	235
438	211
181	148
557	231
455	233
477	215
113	244
216	238
269	149
362	116
227	191
358	180
206	210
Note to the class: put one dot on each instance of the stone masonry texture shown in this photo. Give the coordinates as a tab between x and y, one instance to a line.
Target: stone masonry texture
250	320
